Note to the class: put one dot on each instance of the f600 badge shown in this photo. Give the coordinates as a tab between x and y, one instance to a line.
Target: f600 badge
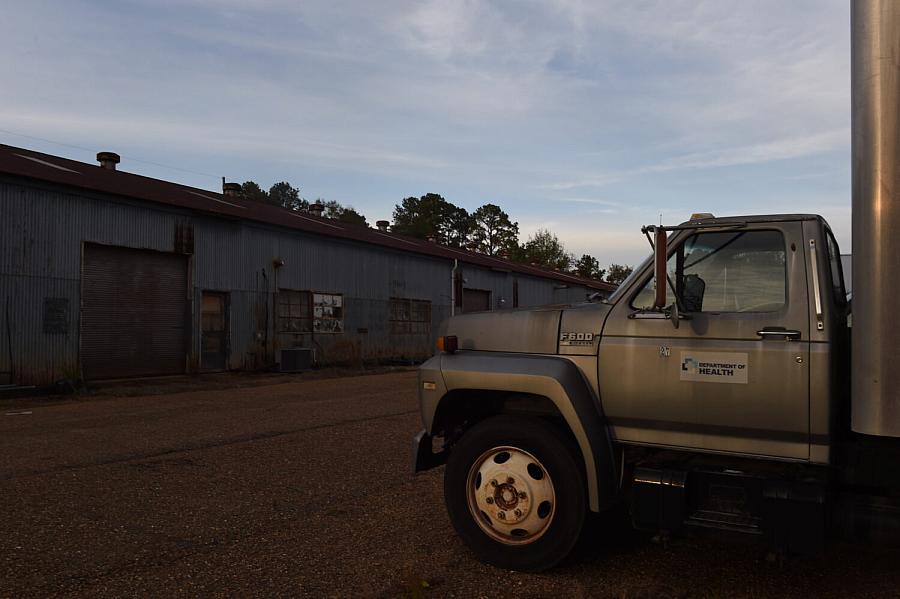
571	339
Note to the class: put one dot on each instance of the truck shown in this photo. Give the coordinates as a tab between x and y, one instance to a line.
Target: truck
714	389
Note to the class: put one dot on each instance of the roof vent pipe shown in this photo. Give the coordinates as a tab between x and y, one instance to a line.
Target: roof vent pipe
382	225
317	208
231	189
108	160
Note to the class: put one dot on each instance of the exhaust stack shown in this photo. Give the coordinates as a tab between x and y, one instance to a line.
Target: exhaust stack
875	88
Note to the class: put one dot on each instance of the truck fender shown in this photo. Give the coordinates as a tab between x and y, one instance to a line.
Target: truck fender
555	378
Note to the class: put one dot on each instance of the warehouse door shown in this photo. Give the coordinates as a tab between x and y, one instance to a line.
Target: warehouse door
133	312
476	300
213	331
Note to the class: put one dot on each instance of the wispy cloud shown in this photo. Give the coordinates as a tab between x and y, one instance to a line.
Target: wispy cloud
772	151
590	201
529	105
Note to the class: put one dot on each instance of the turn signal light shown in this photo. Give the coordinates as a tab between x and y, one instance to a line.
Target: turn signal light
447	344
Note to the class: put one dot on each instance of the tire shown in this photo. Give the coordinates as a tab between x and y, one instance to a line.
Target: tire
500	477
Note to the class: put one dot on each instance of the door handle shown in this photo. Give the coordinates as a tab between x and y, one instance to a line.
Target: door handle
778	332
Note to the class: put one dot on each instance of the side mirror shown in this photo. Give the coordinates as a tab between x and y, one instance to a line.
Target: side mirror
694	289
659	272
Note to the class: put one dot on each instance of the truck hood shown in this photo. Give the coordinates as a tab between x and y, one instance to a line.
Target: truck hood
531	331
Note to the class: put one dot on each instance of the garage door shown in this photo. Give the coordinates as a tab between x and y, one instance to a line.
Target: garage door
133	312
476	300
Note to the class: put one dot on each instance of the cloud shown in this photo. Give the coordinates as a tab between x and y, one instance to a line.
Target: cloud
776	150
589	201
527	104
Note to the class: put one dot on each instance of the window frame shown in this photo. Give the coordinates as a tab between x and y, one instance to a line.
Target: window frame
308	317
341	320
676	249
394	323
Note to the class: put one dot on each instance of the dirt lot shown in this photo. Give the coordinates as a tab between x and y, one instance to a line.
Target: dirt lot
303	488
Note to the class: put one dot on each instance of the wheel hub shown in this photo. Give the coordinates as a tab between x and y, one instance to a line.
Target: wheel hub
510	495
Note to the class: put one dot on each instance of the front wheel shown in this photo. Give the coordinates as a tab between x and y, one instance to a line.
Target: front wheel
515	492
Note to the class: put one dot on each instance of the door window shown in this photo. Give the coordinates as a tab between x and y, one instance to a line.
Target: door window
837	271
729	271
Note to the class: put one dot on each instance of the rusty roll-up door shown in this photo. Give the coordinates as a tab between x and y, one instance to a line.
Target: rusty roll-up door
133	312
476	300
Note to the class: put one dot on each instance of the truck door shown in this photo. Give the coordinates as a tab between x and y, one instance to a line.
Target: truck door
734	376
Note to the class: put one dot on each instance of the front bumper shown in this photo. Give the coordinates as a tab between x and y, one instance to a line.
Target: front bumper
424	457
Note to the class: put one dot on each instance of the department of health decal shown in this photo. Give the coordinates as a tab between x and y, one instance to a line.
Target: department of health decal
714	367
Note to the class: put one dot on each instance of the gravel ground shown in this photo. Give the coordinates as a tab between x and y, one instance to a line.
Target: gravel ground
303	488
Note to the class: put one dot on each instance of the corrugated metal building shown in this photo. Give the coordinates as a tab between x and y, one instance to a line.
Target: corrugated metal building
107	274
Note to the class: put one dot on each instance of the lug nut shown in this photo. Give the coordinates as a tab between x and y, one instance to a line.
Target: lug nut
522	495
510	481
502	515
518	513
493	483
490	500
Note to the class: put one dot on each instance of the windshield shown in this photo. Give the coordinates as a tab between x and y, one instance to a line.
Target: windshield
673	239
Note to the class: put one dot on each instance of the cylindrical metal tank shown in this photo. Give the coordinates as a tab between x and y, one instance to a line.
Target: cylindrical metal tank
875	88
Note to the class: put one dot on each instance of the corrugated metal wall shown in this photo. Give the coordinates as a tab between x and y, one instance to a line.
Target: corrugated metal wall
43	230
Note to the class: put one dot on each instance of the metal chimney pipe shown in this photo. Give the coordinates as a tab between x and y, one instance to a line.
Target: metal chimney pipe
108	160
875	88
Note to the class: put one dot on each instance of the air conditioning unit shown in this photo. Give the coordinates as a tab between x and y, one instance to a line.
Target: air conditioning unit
296	359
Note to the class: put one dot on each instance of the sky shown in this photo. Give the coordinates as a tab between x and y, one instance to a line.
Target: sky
590	118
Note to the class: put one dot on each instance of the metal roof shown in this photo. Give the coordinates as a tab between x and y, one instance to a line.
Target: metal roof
54	169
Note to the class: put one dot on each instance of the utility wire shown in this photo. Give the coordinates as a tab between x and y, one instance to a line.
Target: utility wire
130	158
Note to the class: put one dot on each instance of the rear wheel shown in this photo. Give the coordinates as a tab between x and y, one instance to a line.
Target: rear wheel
515	492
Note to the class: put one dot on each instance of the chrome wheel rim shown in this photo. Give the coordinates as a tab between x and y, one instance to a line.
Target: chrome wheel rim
510	495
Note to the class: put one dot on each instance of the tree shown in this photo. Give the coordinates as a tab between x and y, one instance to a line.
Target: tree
252	191
494	232
351	216
345	214
545	250
284	195
423	217
589	268
618	273
459	227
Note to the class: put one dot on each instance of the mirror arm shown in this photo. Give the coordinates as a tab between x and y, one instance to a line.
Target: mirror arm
678	299
646	231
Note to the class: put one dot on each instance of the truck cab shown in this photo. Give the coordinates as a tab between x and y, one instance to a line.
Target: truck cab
747	370
705	391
